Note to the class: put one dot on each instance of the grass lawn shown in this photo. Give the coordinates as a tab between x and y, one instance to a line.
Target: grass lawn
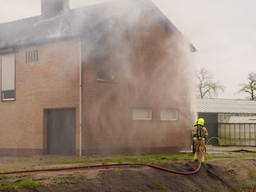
22	163
19	185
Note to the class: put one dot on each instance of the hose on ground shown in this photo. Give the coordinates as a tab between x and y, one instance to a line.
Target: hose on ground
153	166
106	166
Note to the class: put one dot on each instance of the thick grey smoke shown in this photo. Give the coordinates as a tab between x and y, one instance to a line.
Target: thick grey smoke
153	64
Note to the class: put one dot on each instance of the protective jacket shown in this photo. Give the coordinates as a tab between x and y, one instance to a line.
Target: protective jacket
199	132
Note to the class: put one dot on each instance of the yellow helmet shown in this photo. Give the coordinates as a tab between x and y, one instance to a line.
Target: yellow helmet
201	122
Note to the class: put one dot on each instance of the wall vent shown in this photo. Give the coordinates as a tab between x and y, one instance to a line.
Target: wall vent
142	114
169	115
31	56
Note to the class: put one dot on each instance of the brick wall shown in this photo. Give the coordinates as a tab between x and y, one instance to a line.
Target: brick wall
52	82
150	75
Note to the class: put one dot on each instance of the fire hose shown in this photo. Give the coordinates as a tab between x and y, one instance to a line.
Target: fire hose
106	166
113	165
153	166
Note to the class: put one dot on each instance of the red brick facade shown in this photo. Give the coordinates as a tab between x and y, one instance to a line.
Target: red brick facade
52	82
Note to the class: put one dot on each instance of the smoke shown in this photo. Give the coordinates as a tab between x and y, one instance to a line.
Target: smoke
153	67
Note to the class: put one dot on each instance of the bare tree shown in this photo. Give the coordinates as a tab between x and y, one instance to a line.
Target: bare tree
207	87
250	86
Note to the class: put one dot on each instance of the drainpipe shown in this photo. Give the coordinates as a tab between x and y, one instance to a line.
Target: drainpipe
80	95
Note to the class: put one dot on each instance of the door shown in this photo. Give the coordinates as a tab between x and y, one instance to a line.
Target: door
60	128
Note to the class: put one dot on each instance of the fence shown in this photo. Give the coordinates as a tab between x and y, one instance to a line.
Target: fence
237	134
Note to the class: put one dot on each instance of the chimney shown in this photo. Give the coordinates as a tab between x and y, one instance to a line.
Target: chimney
51	8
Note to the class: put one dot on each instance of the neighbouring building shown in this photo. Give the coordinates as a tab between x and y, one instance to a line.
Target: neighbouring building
231	122
103	79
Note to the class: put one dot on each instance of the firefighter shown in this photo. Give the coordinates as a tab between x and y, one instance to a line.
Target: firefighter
199	135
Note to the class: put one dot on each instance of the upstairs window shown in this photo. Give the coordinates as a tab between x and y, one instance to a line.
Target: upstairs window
8	77
107	72
106	56
169	115
142	114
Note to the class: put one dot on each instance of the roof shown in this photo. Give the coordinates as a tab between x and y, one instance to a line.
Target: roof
225	106
76	22
239	119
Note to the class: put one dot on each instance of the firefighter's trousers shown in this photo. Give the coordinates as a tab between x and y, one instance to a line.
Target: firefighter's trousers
200	149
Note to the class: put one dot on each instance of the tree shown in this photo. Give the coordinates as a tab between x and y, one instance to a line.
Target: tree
250	86
207	87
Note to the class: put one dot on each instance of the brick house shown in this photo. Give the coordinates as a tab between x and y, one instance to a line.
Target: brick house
107	78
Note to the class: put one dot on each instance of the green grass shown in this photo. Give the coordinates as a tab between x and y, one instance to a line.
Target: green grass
19	185
158	158
27	163
231	156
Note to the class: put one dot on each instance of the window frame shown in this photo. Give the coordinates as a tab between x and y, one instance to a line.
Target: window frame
7	52
102	71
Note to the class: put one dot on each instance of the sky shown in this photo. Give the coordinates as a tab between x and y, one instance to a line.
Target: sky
223	31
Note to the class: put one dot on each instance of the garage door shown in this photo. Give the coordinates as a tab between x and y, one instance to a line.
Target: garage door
60	131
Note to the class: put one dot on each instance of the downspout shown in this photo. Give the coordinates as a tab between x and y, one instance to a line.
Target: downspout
80	99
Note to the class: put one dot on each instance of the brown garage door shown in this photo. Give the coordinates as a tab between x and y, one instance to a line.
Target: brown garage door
60	135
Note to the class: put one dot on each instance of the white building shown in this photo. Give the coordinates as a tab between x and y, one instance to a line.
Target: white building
233	122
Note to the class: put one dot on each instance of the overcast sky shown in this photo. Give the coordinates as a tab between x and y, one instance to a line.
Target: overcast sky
223	31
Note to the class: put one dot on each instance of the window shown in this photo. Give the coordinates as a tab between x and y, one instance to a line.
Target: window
142	114
8	77
107	72
169	115
31	56
106	67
